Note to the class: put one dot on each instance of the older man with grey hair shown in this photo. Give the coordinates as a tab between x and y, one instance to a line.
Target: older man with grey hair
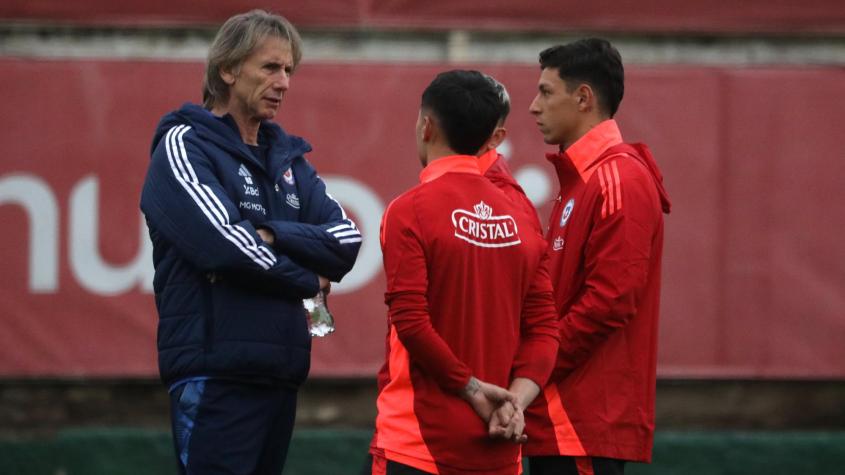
243	230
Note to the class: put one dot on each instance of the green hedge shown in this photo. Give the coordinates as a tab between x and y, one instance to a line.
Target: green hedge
336	452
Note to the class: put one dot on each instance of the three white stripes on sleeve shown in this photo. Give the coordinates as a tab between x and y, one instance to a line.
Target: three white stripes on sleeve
216	213
208	203
345	233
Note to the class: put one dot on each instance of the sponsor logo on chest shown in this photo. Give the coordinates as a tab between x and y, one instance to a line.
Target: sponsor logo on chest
292	200
247	176
480	228
249	189
249	205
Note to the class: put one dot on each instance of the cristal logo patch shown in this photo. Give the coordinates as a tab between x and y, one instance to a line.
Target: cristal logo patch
480	228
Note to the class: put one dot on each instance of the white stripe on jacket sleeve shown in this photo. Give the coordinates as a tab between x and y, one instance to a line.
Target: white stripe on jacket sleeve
208	202
244	236
349	225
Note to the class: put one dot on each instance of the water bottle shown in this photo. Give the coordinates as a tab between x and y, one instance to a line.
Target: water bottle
320	320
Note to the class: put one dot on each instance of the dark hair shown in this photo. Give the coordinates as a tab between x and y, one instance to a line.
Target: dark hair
466	105
504	99
593	61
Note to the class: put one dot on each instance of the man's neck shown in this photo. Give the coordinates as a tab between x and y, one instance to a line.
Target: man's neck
247	126
438	151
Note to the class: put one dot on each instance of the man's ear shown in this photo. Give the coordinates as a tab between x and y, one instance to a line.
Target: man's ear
427	128
495	139
585	97
228	76
499	135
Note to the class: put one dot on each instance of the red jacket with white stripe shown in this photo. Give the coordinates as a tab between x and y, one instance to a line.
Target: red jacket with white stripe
468	294
605	241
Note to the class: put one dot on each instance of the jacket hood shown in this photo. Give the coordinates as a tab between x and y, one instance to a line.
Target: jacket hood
645	157
500	171
223	132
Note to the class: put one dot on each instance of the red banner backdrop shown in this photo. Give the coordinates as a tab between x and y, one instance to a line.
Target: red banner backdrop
753	272
749	16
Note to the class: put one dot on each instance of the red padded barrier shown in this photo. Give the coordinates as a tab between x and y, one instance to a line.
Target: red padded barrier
753	272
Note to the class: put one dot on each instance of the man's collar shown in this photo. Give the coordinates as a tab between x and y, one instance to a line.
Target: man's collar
584	152
449	164
487	159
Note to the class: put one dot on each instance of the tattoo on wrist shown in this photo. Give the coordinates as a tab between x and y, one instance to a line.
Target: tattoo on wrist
472	386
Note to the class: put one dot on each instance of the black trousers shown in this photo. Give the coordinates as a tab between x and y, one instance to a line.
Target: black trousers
561	465
227	427
395	468
537	466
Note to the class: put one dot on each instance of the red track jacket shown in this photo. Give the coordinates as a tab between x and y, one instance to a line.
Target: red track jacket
468	293
494	167
605	244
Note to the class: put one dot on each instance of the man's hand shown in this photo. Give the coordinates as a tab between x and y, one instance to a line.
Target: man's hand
269	238
485	397
266	236
508	422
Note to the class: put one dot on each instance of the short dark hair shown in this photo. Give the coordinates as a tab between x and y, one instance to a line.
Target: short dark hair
466	105
504	99
593	61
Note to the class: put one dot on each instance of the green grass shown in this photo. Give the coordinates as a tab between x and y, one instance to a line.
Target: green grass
127	451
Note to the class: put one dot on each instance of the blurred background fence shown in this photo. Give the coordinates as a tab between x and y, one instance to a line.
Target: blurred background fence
741	103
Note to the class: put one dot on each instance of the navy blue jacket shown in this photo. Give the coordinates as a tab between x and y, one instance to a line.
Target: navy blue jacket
229	305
